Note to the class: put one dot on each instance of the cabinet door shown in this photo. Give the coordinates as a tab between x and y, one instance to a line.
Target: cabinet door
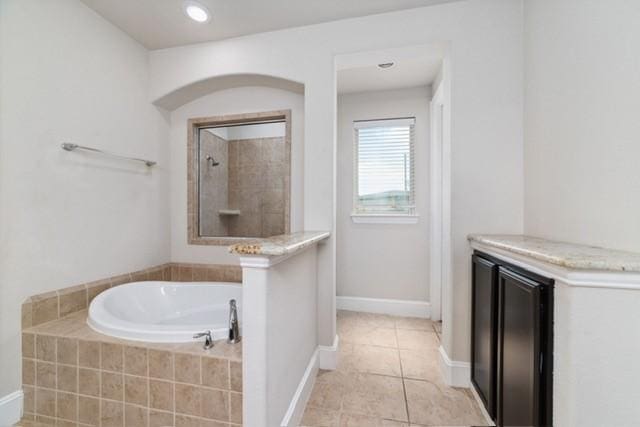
484	330
519	367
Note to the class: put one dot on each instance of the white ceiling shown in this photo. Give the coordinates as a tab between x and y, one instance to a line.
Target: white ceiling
159	24
405	73
413	66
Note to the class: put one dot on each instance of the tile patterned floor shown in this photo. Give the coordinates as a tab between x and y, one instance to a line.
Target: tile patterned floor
388	376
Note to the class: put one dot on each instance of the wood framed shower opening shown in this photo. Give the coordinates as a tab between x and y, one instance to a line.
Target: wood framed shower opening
194	125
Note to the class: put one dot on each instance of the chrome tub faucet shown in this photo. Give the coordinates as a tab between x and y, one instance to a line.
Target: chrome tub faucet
208	340
234	327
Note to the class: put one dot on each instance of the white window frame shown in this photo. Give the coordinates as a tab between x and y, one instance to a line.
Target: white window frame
383	217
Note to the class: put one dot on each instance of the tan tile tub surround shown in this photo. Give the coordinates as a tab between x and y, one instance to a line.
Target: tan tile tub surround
73	375
55	305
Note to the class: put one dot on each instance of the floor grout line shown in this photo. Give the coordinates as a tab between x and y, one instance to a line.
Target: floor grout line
404	388
340	412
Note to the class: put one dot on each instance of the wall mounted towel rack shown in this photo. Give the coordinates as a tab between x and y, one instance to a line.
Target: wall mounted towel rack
71	147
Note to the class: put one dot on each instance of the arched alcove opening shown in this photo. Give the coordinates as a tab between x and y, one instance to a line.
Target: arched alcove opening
210	100
193	91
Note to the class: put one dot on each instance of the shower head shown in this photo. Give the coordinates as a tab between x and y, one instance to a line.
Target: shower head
212	161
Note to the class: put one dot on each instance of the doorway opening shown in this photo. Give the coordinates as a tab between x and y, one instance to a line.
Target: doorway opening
393	248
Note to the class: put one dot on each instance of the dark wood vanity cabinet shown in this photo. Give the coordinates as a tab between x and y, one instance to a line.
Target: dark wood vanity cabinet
484	326
511	342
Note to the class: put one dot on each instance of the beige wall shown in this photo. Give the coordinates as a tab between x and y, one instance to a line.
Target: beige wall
213	185
485	37
67	218
582	131
389	261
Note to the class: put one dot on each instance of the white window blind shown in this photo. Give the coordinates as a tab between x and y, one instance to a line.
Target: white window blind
384	165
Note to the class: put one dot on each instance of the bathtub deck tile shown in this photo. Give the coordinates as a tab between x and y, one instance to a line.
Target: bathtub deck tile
61	327
221	349
75	326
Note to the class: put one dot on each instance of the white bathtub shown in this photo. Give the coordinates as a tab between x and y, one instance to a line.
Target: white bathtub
165	311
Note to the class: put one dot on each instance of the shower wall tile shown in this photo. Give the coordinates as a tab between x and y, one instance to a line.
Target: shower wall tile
273	224
250	153
275	176
273	150
234	153
258	187
273	201
213	185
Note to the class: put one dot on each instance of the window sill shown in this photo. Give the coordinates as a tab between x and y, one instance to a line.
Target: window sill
385	218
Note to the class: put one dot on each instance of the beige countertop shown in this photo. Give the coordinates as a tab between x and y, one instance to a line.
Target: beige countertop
568	255
284	244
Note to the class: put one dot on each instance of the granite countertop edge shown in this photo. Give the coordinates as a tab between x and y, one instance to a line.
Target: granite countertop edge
284	244
563	254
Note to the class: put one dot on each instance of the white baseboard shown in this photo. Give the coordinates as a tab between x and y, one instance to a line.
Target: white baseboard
456	374
393	307
325	357
328	355
293	416
11	408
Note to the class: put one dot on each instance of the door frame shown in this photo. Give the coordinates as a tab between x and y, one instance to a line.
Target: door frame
440	208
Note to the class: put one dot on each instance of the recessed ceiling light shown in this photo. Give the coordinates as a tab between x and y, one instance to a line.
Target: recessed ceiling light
196	11
385	65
